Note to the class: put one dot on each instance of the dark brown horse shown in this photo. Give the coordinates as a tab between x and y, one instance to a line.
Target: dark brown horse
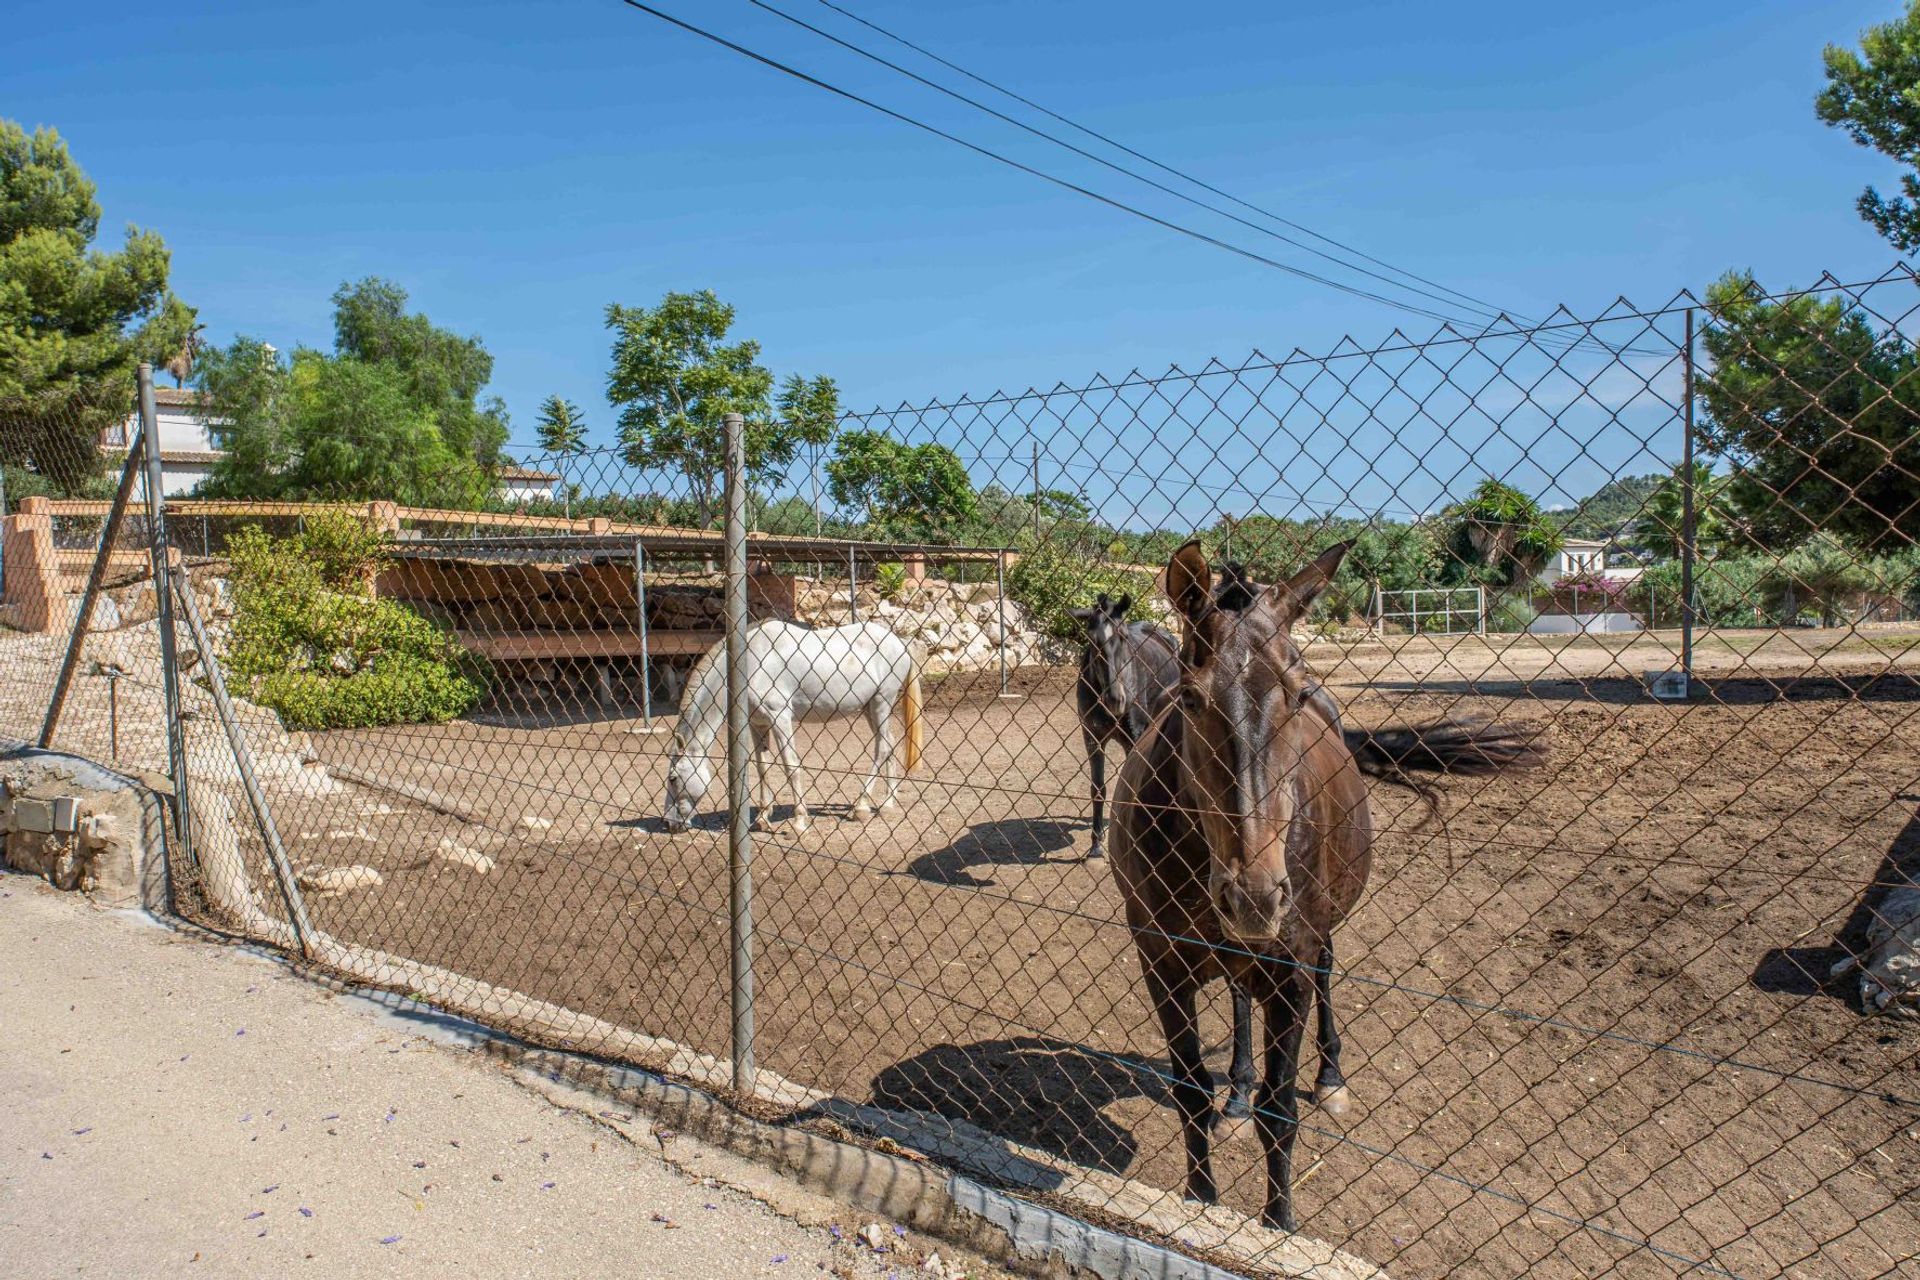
1242	836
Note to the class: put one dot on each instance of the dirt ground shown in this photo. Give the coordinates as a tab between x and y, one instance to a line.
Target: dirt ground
1584	1014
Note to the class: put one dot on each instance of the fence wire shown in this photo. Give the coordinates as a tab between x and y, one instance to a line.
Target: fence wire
1624	985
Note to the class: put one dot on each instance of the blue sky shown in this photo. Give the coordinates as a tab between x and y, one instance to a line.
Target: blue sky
517	167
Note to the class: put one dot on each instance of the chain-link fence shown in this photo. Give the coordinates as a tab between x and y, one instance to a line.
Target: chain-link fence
1568	804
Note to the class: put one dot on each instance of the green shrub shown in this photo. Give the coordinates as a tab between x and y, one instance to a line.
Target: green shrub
317	648
1049	582
890	580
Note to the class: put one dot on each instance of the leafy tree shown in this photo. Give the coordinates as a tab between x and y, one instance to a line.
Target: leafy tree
391	414
1498	537
562	432
1659	529
1870	95
1819	413
675	378
440	371
920	490
1823	574
74	321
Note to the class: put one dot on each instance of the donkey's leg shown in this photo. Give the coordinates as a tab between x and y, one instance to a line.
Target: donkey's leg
880	720
1173	999
1240	1072
1097	766
1276	1106
790	759
1329	1087
762	783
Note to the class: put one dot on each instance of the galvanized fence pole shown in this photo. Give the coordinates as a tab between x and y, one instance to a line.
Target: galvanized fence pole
640	610
1686	510
243	762
739	812
1000	595
82	620
162	560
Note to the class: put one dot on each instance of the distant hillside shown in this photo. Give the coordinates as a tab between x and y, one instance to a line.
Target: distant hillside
1608	511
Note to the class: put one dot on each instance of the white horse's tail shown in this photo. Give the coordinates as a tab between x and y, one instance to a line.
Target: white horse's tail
913	730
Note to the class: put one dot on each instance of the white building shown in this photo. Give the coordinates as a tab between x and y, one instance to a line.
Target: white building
187	451
1576	556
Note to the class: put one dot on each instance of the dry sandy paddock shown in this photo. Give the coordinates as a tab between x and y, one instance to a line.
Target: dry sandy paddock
1675	879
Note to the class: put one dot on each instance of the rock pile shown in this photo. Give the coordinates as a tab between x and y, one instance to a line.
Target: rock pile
958	623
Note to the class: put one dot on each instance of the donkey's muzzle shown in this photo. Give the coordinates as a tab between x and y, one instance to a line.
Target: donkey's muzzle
1250	908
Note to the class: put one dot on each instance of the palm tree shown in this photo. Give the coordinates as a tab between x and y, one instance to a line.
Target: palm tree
180	363
562	431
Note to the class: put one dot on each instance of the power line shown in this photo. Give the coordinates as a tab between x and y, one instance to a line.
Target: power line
1164	167
1488	311
1028	169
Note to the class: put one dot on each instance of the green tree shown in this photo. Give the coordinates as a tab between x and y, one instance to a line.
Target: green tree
441	372
675	378
74	321
391	414
1660	526
562	432
1610	511
1822	574
1498	537
915	490
1819	413
1870	94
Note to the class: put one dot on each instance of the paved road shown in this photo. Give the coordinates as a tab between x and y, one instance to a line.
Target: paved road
178	1108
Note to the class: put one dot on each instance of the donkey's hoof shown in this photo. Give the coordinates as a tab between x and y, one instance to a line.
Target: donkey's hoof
1229	1123
1280	1220
1336	1101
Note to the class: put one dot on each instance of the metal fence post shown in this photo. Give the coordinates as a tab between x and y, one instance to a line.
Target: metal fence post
162	559
739	814
1686	511
640	609
1000	595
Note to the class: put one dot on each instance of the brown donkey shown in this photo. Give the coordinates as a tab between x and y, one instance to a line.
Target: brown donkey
1241	837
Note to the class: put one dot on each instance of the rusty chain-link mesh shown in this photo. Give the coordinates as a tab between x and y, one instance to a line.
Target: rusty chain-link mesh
1634	1011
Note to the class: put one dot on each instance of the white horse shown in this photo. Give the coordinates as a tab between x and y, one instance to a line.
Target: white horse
793	673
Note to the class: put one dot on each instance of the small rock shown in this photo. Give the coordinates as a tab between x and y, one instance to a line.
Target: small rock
453	851
330	880
873	1235
534	822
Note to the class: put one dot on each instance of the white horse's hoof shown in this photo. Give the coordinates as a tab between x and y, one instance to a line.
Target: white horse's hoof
862	811
761	822
801	822
1335	1102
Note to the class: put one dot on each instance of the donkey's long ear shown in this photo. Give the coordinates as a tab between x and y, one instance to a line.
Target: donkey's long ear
1189	581
1293	596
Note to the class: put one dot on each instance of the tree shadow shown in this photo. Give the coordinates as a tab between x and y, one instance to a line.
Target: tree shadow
1040	1093
1004	842
1808	971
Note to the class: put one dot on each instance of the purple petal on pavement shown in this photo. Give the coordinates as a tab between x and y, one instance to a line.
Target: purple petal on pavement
390	1240
778	1258
546	1186
267	1191
242	1031
305	1212
81	1133
46	1155
257	1213
334	1116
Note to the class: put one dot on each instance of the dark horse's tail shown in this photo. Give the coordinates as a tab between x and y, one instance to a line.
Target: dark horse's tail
1465	748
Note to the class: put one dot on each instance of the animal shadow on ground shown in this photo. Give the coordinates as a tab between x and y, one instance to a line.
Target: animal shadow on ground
1807	971
1732	691
1041	1093
1004	842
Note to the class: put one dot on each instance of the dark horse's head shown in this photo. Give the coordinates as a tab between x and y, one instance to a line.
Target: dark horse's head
1104	664
1255	760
